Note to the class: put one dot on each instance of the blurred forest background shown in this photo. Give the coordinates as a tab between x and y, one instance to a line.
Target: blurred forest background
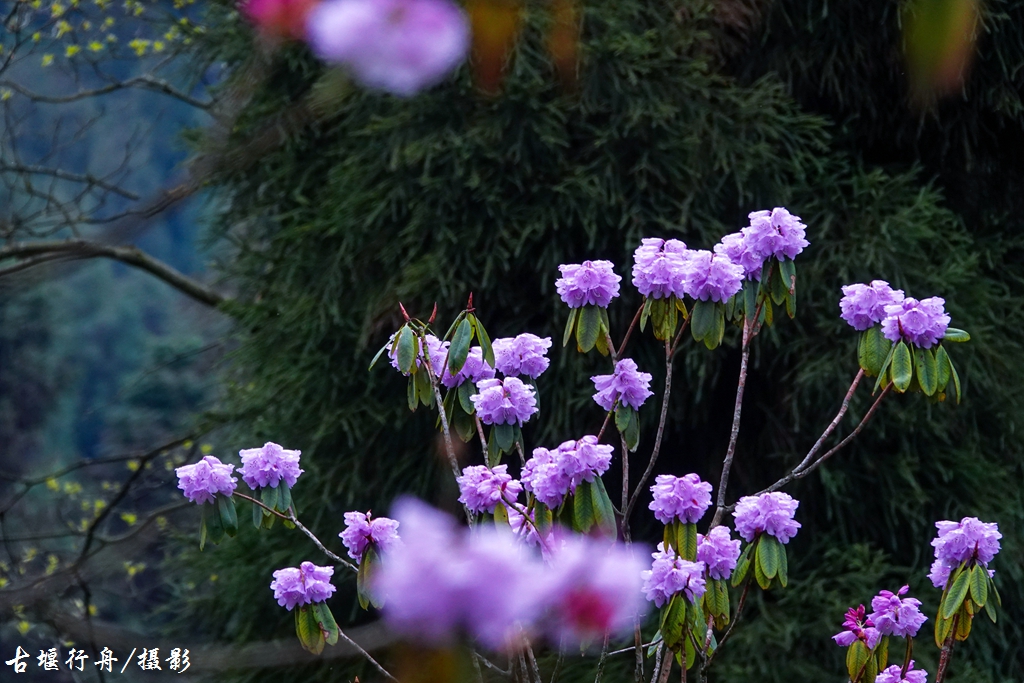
204	237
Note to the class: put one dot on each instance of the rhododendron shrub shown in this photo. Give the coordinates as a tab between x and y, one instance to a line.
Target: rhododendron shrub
542	556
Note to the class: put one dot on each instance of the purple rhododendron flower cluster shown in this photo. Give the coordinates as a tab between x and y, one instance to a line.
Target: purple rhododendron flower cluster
400	46
524	354
270	465
659	267
362	530
719	551
968	539
857	626
896	616
475	369
627	385
483	488
202	481
671	574
302	585
551	475
507	401
894	674
771	513
740	250
711	276
863	306
775	233
921	323
445	580
684	498
591	283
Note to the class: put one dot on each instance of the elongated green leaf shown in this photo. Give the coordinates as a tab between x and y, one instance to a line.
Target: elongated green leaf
424	389
284	497
688	541
690	653
762	580
791	305
956	379
257	516
326	621
956	595
308	630
902	367
645	313
872	350
459	349
857	656
750	289
882	653
377	355
493	450
486	349
628	423
955	335
990	611
787	268
885	366
501	516
268	496
702	320
604	512
714	337
673	619
588	327
202	529
979	585
466	390
583	508
742	566
412	395
367	565
228	514
963	624
407	344
542	517
942	628
768	555
506	436
570	325
927	371
943	368
783	574
778	287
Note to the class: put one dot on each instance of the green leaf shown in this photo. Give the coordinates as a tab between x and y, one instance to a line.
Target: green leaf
493	450
857	656
791	305
326	621
927	371
588	328
703	319
750	289
687	540
768	312
228	514
268	496
942	628
779	287
690	654
645	313
583	508
485	340
366	568
627	421
202	530
257	516
872	350
763	581
672	620
955	335
956	595
882	654
768	556
783	574
979	585
714	337
787	269
885	366
459	349
407	344
604	512
505	435
501	515
742	566
990	611
466	390
902	367
377	356
411	395
963	624
956	379
214	525
424	389
944	367
570	325
542	517
669	322
308	630
284	497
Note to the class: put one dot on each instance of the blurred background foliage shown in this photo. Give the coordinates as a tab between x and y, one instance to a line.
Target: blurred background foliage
679	121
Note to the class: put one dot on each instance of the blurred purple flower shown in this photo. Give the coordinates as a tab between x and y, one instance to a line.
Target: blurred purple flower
894	674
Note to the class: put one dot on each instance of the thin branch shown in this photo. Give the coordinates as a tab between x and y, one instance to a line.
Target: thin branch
367	655
832	425
658	437
737	411
146	82
84	178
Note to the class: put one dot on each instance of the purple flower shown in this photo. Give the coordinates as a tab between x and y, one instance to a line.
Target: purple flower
400	46
484	488
507	401
302	585
712	276
684	498
894	674
522	529
939	573
627	385
475	369
921	323
739	249
969	539
361	530
895	616
269	465
776	233
671	574
588	460
591	283
524	354
863	306
659	267
771	513
546	478
202	481
719	552
436	349
856	627
591	589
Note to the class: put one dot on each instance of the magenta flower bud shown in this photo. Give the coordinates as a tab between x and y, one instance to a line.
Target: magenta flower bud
775	233
863	306
659	267
671	574
739	249
895	616
202	481
921	323
524	354
483	488
591	283
685	499
302	585
475	369
711	276
361	531
507	401
719	552
894	674
627	385
856	627
770	513
399	46
270	465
